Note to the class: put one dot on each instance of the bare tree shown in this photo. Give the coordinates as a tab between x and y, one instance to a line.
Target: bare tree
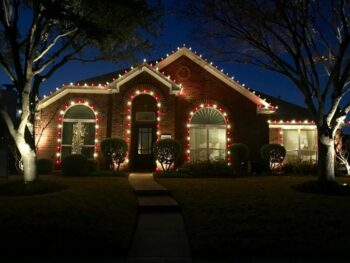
37	37
342	146
305	40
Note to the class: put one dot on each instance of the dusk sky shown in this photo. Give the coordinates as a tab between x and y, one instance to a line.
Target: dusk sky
177	32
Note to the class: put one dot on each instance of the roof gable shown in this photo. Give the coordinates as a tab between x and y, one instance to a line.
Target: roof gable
112	87
263	105
174	88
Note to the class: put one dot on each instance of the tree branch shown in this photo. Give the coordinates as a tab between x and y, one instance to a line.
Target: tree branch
53	43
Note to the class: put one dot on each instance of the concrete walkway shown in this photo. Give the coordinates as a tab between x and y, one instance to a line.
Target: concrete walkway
160	235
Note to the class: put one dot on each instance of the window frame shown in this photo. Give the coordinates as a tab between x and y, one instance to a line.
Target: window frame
78	120
207	148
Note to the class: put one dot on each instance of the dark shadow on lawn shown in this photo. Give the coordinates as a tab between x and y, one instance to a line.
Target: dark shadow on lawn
39	187
323	188
72	250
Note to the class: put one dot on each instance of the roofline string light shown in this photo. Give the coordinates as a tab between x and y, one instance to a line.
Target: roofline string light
60	127
224	114
226	75
268	106
289	122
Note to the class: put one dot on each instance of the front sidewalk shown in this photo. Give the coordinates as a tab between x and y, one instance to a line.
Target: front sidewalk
160	235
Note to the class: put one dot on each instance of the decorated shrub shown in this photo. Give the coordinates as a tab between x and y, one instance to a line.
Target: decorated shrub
273	156
75	165
44	166
114	151
239	156
166	151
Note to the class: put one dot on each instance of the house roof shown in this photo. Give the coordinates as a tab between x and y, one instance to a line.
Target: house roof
110	83
288	111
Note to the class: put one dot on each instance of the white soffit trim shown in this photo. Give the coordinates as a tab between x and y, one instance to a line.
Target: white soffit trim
184	51
73	89
293	126
148	69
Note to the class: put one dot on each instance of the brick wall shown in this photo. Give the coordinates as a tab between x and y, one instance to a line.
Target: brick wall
47	121
198	87
201	87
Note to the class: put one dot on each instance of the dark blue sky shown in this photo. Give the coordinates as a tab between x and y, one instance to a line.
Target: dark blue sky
176	32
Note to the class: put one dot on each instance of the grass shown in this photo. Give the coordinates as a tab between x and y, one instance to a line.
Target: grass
257	217
39	187
93	216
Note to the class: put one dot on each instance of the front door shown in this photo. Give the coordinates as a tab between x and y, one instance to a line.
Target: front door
144	133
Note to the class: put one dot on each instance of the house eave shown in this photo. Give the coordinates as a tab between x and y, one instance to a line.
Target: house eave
71	89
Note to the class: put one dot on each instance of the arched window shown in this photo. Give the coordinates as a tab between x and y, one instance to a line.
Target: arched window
78	132
207	135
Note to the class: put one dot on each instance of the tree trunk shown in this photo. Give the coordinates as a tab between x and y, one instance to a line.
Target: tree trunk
29	161
29	167
326	157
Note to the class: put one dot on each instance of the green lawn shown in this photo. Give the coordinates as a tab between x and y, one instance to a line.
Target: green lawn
94	216
261	216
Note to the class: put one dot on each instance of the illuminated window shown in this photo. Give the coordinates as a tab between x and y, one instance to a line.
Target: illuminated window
78	134
207	136
300	144
145	141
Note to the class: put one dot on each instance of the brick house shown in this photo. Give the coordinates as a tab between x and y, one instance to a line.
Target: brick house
181	96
